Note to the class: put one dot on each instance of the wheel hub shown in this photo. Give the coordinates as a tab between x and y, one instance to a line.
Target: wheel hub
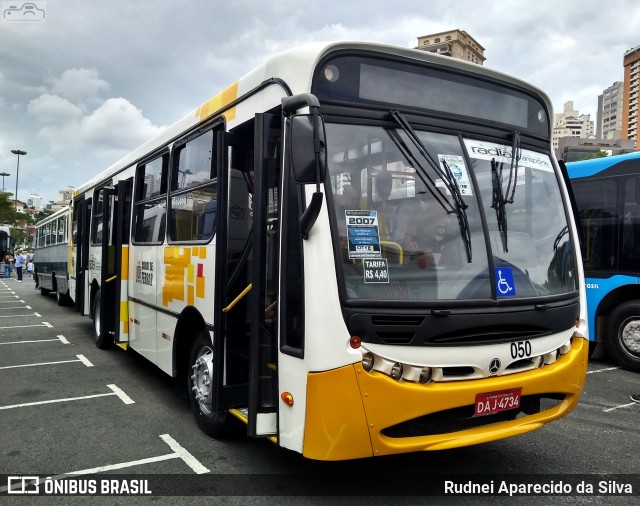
202	380
630	335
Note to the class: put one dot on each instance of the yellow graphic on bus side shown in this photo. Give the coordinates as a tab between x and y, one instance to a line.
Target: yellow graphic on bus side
216	103
184	277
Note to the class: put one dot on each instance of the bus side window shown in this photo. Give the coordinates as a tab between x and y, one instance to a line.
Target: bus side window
193	191
150	202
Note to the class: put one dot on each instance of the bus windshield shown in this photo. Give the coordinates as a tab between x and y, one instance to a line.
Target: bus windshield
445	219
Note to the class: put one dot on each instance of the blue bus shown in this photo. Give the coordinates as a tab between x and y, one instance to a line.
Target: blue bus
607	193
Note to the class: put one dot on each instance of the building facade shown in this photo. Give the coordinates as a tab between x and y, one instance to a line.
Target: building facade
455	43
572	149
610	112
631	96
570	123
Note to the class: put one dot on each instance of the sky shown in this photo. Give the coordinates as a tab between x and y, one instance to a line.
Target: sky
97	78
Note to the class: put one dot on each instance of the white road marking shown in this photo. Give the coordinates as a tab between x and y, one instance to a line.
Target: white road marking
69	399
123	397
188	459
81	358
84	360
63	339
19	315
621	406
35	341
179	453
43	324
603	370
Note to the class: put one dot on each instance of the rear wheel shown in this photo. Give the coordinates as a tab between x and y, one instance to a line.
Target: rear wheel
61	299
623	336
103	339
201	386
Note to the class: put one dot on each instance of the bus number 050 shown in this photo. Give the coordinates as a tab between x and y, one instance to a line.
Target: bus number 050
521	349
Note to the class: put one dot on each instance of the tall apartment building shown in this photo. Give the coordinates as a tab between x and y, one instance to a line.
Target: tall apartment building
455	43
571	123
609	115
631	96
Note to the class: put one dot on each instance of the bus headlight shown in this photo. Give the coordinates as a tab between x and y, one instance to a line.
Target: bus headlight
425	375
396	371
367	361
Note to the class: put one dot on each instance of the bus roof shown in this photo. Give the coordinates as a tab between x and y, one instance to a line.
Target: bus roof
586	168
295	67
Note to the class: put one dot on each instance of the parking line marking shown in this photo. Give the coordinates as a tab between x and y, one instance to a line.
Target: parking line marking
15	307
84	360
18	315
122	396
81	358
63	339
68	399
603	370
122	465
179	453
621	406
35	341
188	459
43	324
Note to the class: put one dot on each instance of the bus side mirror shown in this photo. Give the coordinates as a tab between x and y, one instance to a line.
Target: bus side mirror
307	149
307	152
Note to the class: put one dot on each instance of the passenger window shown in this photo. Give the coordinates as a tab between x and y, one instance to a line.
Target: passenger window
193	197
150	202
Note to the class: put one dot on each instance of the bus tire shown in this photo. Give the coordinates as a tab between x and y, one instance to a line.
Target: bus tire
623	336
103	339
200	385
61	299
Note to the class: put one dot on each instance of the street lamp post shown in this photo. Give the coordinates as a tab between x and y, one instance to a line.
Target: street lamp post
17	152
3	174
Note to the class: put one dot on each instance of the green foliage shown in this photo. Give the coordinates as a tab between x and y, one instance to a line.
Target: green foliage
597	154
7	209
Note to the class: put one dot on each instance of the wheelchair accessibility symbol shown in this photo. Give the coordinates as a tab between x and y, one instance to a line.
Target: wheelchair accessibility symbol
505	287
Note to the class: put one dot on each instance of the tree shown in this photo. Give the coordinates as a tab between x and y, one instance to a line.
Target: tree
597	154
7	208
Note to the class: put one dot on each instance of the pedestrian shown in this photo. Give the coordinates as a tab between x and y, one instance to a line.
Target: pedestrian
20	261
635	397
30	269
7	265
30	256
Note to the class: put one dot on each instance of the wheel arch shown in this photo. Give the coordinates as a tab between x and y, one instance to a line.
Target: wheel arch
190	324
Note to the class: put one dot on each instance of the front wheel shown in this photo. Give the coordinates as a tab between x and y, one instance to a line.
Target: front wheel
623	336
103	339
201	384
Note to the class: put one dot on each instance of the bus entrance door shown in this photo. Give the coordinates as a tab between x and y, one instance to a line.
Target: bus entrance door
121	219
263	302
81	220
246	275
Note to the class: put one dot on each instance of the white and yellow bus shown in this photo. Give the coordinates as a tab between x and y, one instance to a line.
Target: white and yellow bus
357	250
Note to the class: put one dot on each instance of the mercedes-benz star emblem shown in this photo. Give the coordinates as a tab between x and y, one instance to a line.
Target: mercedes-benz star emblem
494	365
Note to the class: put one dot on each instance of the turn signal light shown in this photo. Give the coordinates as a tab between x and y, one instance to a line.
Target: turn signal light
355	342
287	398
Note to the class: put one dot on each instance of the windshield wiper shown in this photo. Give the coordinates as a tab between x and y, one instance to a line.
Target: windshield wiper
459	208
500	198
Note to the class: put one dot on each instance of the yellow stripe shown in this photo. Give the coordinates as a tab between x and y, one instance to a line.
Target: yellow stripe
124	270
239	415
216	103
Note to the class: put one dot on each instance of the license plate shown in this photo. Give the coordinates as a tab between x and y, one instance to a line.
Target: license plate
490	403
